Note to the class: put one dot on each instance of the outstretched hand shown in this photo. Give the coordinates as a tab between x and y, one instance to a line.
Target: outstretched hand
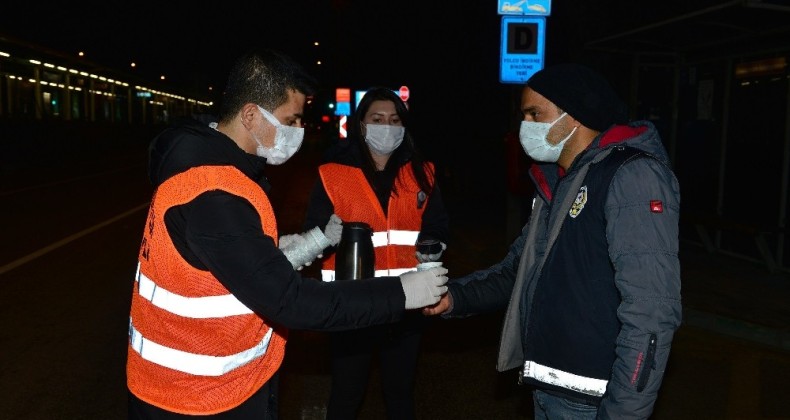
443	305
423	288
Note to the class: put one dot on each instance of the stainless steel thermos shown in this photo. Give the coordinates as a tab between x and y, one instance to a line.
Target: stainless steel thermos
355	257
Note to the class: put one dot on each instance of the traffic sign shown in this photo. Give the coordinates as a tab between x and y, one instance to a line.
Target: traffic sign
403	92
522	47
342	127
343	108
524	7
343	95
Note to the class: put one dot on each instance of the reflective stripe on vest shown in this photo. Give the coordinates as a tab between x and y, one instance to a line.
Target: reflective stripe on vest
191	307
583	384
193	347
195	364
380	239
402	237
394	235
393	271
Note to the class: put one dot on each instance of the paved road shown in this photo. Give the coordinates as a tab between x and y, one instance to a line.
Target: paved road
71	228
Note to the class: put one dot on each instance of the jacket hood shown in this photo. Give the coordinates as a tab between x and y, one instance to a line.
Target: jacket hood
190	142
641	135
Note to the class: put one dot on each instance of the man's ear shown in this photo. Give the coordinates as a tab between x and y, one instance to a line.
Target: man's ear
248	113
573	121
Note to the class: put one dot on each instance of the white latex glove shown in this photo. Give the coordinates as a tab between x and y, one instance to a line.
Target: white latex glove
287	240
430	257
423	288
302	249
334	229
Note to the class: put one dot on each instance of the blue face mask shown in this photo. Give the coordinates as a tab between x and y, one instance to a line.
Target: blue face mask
533	139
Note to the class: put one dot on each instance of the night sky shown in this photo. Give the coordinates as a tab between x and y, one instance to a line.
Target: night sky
193	43
446	52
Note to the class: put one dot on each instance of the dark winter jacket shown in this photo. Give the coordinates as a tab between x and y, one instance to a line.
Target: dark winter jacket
592	285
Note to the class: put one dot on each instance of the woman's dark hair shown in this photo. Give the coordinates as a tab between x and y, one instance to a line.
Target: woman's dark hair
407	149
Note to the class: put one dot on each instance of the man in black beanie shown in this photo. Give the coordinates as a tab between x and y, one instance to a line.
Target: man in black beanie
592	285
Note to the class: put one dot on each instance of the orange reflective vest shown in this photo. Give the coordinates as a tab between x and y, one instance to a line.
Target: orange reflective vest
394	235
193	347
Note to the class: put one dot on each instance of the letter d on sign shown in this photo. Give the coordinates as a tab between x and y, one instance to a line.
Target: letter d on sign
521	38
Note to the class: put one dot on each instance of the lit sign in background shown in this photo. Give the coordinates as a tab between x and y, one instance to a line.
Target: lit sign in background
524	7
523	47
523	38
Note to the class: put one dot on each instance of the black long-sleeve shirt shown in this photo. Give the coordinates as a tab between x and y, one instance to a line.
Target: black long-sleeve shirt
222	233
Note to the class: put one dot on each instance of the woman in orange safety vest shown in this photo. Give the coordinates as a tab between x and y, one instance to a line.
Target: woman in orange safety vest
377	176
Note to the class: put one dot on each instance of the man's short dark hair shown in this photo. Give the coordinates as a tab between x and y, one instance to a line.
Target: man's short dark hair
263	77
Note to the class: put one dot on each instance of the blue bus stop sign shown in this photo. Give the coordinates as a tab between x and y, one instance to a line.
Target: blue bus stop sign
523	47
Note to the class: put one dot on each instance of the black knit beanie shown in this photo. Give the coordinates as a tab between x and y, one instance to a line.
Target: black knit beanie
581	92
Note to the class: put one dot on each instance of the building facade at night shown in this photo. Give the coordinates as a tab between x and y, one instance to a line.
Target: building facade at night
40	84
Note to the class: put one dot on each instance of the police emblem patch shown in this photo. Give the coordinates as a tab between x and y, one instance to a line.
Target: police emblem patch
578	204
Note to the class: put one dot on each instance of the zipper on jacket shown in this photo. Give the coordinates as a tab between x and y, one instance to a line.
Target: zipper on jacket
649	363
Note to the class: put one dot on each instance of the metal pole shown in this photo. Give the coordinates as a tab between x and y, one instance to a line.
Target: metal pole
67	99
37	92
673	119
725	120
129	105
113	105
782	222
91	101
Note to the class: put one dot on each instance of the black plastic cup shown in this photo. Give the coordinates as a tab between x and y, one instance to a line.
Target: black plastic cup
429	246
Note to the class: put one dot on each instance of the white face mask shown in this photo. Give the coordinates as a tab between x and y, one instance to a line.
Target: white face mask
533	140
287	141
382	138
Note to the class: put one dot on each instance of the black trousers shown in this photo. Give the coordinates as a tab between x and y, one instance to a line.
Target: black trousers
352	353
262	405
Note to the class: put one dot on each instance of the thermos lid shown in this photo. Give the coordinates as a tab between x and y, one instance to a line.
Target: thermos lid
356	231
356	225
